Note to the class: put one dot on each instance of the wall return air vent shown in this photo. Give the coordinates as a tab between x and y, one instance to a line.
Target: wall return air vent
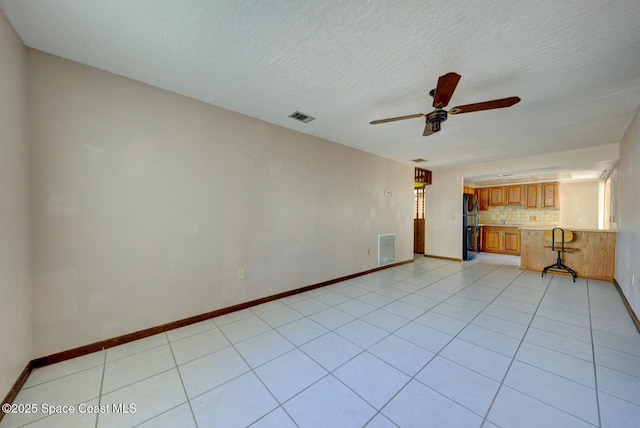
386	249
305	118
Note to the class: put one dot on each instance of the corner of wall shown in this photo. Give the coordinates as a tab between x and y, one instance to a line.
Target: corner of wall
16	326
627	201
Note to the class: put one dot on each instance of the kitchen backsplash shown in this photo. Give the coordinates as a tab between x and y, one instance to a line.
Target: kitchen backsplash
519	215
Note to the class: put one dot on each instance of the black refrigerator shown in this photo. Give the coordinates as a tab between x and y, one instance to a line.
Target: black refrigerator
470	228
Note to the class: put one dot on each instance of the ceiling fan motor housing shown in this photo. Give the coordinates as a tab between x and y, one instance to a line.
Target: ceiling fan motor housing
435	118
438	115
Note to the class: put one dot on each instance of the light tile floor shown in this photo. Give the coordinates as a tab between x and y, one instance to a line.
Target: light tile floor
431	343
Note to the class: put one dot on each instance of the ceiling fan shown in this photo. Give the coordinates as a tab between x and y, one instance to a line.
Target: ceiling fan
441	96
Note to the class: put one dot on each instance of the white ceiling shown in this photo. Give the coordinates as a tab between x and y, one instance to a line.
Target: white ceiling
574	63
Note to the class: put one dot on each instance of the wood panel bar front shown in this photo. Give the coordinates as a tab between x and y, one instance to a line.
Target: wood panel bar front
594	259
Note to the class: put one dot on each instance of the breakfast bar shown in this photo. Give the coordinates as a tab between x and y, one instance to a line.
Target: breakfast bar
592	252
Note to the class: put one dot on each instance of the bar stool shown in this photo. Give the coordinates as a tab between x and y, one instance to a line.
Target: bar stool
563	236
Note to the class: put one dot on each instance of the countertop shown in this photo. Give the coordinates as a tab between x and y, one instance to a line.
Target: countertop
572	229
538	226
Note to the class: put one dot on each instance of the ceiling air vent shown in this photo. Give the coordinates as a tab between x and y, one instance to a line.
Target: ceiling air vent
305	118
419	160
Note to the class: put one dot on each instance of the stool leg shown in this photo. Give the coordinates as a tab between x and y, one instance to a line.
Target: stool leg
571	271
558	265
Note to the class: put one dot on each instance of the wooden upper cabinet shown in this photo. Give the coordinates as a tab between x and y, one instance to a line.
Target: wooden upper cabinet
483	198
514	195
531	196
496	196
550	195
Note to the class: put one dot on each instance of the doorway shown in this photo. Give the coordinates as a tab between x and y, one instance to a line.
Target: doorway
418	219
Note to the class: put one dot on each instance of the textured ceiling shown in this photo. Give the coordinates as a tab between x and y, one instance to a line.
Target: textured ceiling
574	63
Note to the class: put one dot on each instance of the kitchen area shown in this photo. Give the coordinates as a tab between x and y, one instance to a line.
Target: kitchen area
515	220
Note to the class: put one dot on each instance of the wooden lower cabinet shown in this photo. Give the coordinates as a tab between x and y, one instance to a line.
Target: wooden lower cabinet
501	240
490	239
512	241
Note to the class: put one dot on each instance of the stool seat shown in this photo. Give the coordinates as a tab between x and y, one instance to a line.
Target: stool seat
558	237
566	250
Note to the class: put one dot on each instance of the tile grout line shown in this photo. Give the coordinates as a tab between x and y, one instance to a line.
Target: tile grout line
456	336
193	415
593	353
534	398
362	351
330	372
104	369
514	354
252	371
436	354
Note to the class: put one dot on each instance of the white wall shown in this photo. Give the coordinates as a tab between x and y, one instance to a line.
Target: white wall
443	234
146	203
15	236
579	204
627	212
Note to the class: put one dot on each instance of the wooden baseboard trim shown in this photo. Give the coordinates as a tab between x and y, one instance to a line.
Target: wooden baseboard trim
109	343
632	314
451	259
17	386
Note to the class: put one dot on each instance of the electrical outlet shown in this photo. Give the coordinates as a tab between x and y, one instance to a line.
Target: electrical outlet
241	273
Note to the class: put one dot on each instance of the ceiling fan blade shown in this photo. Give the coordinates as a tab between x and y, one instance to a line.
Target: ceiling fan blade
393	119
428	130
446	85
487	105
